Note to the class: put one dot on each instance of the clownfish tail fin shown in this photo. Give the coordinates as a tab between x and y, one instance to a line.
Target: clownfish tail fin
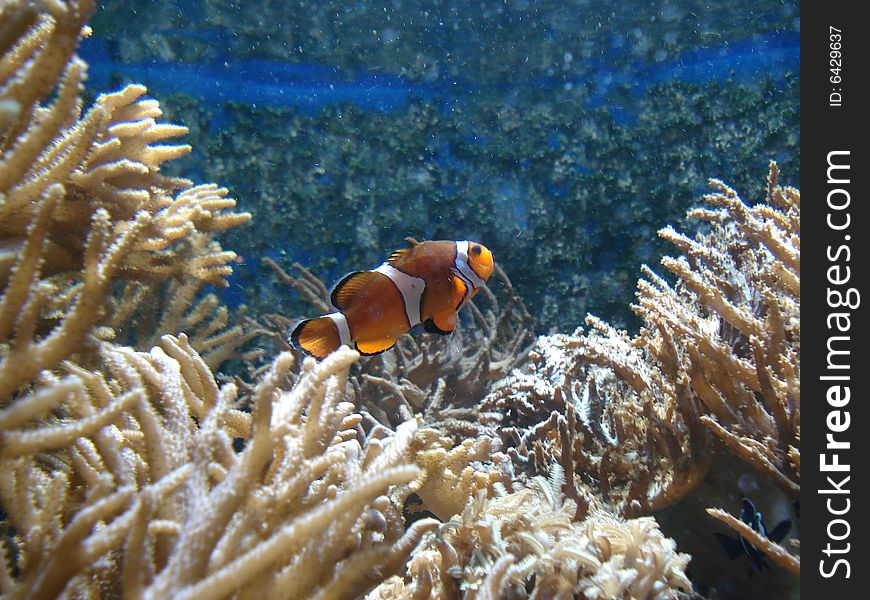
317	337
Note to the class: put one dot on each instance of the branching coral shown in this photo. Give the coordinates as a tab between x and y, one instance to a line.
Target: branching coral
120	468
732	328
733	325
776	552
83	202
151	458
526	544
720	353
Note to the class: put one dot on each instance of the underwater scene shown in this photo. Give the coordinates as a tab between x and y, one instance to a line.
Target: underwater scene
391	299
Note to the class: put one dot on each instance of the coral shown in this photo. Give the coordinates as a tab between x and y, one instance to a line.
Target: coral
527	544
303	495
130	472
733	325
631	417
185	514
731	328
83	204
592	403
454	474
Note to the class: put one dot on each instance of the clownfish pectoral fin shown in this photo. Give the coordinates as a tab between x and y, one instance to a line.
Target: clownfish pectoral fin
349	287
442	323
430	327
460	292
317	337
372	347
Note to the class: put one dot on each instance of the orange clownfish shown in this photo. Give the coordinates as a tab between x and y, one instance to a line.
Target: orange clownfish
426	283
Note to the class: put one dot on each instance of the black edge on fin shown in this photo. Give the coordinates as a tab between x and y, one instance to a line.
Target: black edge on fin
336	290
430	327
362	353
731	545
295	329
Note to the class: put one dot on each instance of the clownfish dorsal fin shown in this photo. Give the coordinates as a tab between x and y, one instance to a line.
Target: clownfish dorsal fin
398	254
350	286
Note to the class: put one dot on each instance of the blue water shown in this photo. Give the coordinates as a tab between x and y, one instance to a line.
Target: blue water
310	87
256	82
614	95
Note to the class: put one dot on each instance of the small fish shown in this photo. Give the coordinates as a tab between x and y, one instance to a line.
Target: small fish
425	283
734	547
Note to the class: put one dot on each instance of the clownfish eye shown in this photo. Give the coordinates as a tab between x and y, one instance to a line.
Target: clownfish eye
475	250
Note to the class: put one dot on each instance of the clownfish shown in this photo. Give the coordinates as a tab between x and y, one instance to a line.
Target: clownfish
426	283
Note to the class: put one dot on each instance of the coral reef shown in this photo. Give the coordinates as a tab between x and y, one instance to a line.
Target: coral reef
181	512
527	544
87	219
630	419
130	471
125	469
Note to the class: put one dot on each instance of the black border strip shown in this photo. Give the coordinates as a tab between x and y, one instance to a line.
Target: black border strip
834	129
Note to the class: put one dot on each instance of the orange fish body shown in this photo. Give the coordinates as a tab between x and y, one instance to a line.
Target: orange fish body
426	283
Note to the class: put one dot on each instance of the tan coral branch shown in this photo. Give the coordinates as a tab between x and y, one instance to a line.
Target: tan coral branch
777	553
